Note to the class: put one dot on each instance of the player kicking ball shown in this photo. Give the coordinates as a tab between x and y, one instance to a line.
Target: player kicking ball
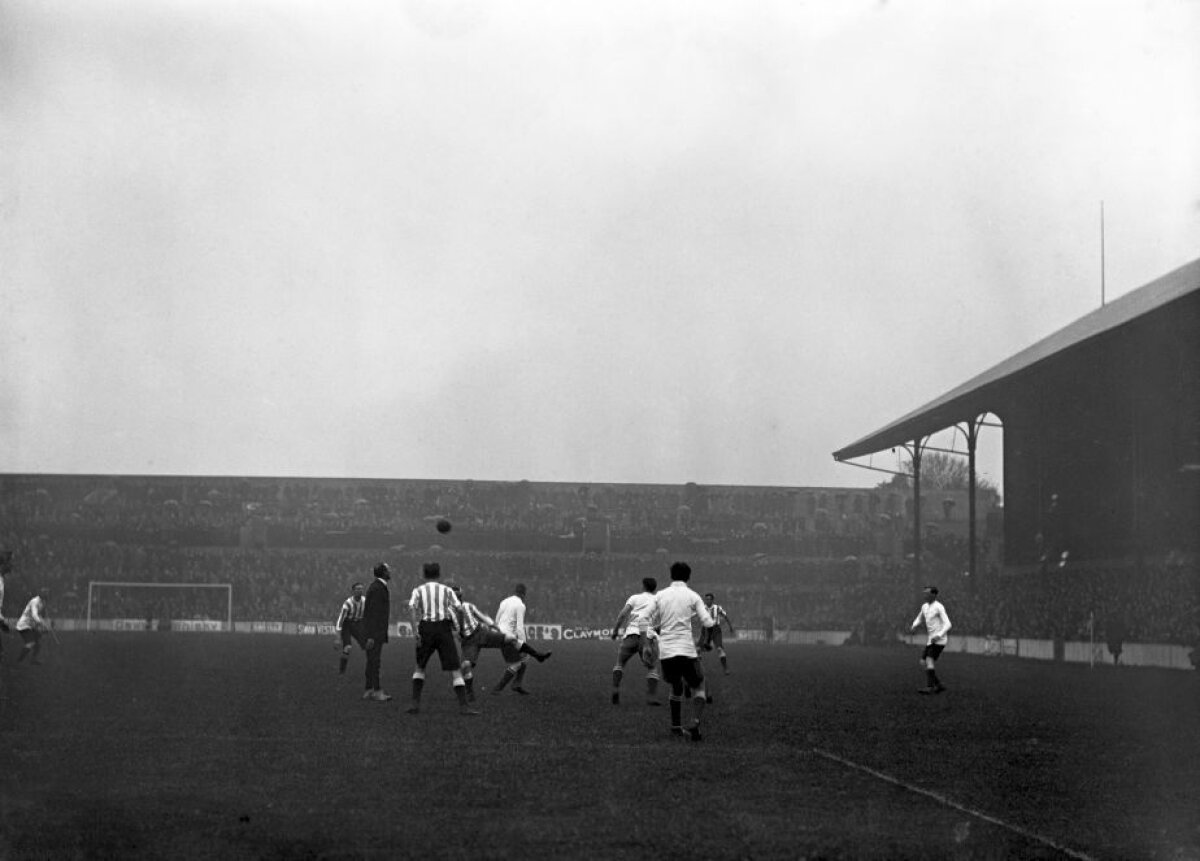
937	625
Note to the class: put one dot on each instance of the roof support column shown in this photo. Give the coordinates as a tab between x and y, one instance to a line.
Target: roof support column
971	432
915	450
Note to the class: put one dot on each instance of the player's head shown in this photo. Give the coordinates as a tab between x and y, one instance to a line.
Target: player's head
356	590
431	570
649	584
456	589
681	571
709	598
931	592
383	572
519	590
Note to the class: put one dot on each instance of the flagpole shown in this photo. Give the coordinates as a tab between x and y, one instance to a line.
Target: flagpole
1102	297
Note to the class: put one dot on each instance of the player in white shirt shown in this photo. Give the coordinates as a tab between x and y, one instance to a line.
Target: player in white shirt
510	619
30	627
639	638
937	625
675	608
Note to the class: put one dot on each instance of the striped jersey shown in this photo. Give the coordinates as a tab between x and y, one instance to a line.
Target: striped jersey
31	618
470	618
434	602
352	611
718	613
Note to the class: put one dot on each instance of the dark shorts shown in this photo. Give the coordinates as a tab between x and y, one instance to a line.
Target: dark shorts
438	637
710	637
682	670
30	635
933	650
352	632
487	638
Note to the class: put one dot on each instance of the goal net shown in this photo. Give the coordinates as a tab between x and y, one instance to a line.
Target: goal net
118	606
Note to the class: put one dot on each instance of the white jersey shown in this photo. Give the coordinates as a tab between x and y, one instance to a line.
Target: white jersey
677	605
1	596
31	618
937	623
641	615
510	617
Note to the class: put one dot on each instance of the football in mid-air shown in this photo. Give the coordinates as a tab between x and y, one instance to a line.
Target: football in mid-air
443	525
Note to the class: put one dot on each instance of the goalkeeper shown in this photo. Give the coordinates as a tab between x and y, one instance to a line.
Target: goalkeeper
639	639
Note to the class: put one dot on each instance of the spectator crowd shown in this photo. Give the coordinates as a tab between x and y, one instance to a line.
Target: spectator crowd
290	549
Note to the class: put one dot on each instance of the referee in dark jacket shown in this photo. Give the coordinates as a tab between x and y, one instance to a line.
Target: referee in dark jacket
376	611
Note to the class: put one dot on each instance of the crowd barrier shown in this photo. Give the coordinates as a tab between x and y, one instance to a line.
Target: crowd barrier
1069	651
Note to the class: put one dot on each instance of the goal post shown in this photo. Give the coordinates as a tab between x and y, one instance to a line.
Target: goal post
131	602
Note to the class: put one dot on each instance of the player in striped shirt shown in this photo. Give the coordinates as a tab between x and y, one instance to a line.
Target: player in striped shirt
711	638
30	627
349	624
477	630
435	609
639	639
510	619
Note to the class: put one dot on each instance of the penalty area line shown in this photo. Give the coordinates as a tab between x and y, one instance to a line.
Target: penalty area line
949	802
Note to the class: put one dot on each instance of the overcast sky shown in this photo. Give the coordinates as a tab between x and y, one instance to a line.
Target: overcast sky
561	241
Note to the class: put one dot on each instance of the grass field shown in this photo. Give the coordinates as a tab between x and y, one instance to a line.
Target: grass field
252	746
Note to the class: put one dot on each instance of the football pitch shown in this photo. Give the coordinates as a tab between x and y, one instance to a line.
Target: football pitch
252	746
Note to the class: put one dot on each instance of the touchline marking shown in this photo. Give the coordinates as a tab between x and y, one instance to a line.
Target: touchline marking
941	799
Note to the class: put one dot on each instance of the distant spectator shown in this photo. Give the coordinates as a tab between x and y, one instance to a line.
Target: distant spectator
1114	635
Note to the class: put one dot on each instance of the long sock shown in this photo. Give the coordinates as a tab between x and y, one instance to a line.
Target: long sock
618	674
504	680
520	677
651	686
931	678
417	684
21	656
342	665
469	684
460	691
676	712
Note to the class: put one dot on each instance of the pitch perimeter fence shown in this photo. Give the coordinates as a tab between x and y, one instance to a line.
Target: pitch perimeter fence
1069	651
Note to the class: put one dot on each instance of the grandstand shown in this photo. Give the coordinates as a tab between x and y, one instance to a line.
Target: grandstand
788	560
